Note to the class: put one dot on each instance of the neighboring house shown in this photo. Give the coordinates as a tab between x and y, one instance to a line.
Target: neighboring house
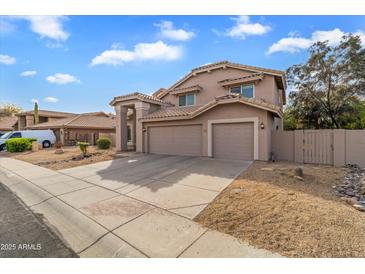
26	118
8	123
223	110
84	127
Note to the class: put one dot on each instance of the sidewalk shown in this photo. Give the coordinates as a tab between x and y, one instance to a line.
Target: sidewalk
99	222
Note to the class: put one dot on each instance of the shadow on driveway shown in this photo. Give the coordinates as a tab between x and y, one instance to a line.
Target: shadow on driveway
148	169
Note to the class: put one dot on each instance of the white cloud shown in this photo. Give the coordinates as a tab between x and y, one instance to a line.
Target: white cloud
50	100
62	79
6	26
6	59
296	43
48	26
34	101
244	27
28	73
167	30
141	52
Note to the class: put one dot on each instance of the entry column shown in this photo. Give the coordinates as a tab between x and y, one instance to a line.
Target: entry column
121	128
141	110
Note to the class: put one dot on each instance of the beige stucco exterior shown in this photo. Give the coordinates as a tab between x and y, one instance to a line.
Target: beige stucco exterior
214	104
265	89
228	111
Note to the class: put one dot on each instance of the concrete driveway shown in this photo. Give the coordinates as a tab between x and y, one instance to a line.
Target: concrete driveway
138	206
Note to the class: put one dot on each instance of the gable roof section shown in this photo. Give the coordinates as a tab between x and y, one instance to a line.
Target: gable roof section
279	75
194	88
93	120
245	79
7	122
139	96
189	112
157	92
47	113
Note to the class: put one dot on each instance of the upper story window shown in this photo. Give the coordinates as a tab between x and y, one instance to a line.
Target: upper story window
244	90
187	100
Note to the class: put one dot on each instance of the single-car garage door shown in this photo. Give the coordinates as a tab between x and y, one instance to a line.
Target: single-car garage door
176	140
233	141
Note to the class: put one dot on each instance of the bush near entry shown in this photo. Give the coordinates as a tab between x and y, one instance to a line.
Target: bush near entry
19	144
104	143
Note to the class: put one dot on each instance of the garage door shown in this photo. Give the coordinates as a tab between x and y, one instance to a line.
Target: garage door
233	141
176	140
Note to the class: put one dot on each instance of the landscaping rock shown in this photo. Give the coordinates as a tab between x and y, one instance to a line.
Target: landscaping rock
78	157
298	172
352	190
359	207
58	151
298	178
350	201
267	169
236	190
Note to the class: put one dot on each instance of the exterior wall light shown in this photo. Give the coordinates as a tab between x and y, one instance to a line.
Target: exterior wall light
262	126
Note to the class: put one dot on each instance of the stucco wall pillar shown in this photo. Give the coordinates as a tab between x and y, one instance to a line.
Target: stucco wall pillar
339	147
141	110
62	136
121	128
29	120
21	122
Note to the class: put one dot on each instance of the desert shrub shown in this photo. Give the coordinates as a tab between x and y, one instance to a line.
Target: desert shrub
83	147
58	145
19	144
104	143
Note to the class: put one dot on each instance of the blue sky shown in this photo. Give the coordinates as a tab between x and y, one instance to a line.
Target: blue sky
79	63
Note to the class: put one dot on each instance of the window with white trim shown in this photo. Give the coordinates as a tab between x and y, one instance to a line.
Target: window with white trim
187	99
244	90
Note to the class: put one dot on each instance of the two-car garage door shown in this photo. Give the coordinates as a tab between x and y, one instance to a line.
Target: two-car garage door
229	140
176	140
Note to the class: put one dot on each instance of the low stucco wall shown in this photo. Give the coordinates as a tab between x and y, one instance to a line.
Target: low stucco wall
282	143
227	111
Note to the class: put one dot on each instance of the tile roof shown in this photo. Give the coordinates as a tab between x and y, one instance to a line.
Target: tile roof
48	113
225	62
159	91
186	89
139	96
188	112
172	112
96	120
7	122
248	78
279	74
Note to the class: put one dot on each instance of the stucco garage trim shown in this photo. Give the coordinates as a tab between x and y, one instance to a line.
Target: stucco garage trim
255	121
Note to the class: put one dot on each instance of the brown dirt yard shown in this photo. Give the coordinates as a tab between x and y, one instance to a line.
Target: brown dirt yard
47	158
270	209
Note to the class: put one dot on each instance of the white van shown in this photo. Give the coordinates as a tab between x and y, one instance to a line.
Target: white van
44	137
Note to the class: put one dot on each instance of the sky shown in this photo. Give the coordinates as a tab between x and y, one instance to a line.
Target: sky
79	63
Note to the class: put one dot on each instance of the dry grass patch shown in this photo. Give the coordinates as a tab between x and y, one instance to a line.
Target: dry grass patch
269	208
47	158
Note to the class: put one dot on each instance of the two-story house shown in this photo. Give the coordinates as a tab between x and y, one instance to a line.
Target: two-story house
222	110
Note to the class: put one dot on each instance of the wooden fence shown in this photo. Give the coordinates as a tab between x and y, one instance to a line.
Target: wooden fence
333	147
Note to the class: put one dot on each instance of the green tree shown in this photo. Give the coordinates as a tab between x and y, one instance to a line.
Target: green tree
36	113
327	88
